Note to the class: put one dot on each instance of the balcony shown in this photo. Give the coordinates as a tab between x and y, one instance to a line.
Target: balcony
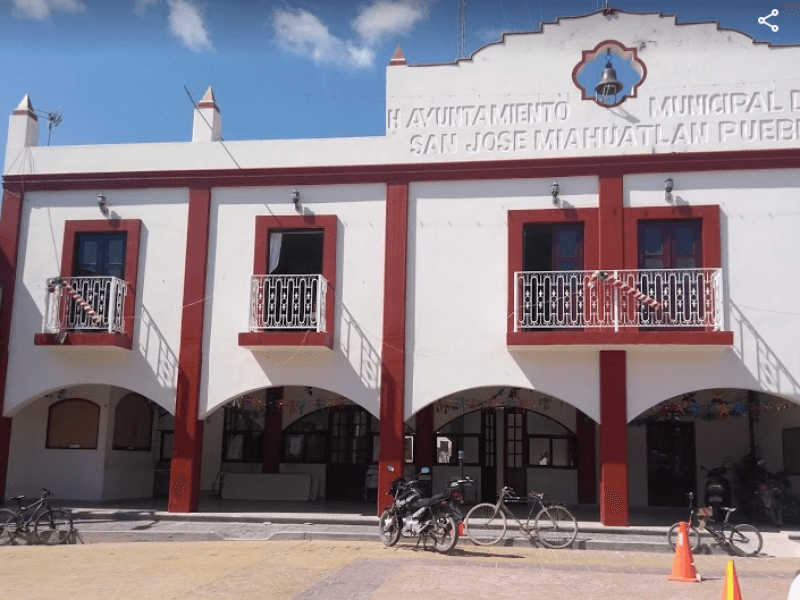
85	311
288	310
622	306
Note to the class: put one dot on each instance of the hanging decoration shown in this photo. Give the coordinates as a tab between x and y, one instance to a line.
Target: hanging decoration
511	400
717	410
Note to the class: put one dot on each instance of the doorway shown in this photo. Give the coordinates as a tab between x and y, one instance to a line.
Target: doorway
670	463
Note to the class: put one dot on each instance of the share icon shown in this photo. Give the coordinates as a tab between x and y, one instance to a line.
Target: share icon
763	20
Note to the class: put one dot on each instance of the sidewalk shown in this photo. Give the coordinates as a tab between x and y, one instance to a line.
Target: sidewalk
348	521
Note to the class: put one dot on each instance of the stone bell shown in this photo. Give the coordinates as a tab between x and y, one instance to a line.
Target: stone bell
608	84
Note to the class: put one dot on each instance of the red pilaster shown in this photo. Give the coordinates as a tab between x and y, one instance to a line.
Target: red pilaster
10	220
273	425
392	434
587	458
424	443
613	392
184	487
613	438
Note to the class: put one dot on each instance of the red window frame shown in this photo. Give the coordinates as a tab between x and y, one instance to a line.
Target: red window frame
517	219
133	228
264	225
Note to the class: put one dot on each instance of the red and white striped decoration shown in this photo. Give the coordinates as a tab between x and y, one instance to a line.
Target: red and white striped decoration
77	297
623	287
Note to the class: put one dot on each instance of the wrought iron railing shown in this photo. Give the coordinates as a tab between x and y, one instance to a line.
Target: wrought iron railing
103	311
668	298
288	302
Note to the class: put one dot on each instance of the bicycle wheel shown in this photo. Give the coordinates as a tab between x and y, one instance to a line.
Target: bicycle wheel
388	528
9	525
694	536
745	540
53	527
485	525
556	527
445	533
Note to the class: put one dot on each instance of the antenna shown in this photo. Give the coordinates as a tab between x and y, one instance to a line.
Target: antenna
462	27
54	119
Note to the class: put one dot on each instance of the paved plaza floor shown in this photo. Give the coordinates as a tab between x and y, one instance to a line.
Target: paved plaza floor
306	570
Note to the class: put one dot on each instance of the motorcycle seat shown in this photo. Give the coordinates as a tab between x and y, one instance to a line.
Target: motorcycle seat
428	502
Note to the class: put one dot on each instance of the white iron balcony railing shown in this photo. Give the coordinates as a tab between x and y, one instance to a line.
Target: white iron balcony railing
287	302
105	297
672	298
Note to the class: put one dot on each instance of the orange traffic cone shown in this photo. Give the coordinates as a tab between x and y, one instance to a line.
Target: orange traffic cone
461	529
683	565
730	589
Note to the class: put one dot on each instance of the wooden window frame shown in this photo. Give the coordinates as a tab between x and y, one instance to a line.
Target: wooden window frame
115	445
64	402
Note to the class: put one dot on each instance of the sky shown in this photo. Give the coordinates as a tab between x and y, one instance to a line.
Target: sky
118	71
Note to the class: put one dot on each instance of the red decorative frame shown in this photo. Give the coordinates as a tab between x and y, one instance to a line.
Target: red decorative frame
328	224
517	219
591	55
133	229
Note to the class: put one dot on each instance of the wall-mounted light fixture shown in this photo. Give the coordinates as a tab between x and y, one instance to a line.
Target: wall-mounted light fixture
554	192
101	202
669	185
296	200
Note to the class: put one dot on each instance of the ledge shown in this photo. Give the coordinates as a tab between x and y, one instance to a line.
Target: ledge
257	340
532	339
121	341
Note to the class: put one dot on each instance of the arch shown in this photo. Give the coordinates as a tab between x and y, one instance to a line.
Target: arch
74	424
133	423
66	388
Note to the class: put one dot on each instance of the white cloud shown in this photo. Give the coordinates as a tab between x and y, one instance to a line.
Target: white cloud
42	9
142	6
302	33
186	22
385	18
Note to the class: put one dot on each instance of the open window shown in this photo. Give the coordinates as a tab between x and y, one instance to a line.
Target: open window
292	287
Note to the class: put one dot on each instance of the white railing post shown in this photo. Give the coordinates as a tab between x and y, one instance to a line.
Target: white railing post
516	292
616	305
112	305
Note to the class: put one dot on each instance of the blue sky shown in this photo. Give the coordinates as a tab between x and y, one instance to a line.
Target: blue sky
116	69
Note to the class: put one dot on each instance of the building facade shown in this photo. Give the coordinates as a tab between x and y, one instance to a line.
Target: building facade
564	277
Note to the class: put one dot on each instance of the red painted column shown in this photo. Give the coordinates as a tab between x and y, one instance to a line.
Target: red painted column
10	220
273	427
393	364
613	438
424	442
587	458
184	485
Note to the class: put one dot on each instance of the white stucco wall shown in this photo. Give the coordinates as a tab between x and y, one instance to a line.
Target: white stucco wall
457	289
150	367
351	367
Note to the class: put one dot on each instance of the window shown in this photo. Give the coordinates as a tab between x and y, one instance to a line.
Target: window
791	450
243	436
133	423
100	254
548	253
294	278
305	440
550	444
100	260
73	423
462	434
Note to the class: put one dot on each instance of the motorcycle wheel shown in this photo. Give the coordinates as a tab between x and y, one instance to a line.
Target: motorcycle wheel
445	533
388	528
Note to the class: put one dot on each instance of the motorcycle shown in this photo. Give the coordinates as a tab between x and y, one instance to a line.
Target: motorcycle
718	490
412	515
762	492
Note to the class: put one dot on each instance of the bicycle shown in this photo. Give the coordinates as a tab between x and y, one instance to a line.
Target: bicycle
554	526
743	539
51	526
